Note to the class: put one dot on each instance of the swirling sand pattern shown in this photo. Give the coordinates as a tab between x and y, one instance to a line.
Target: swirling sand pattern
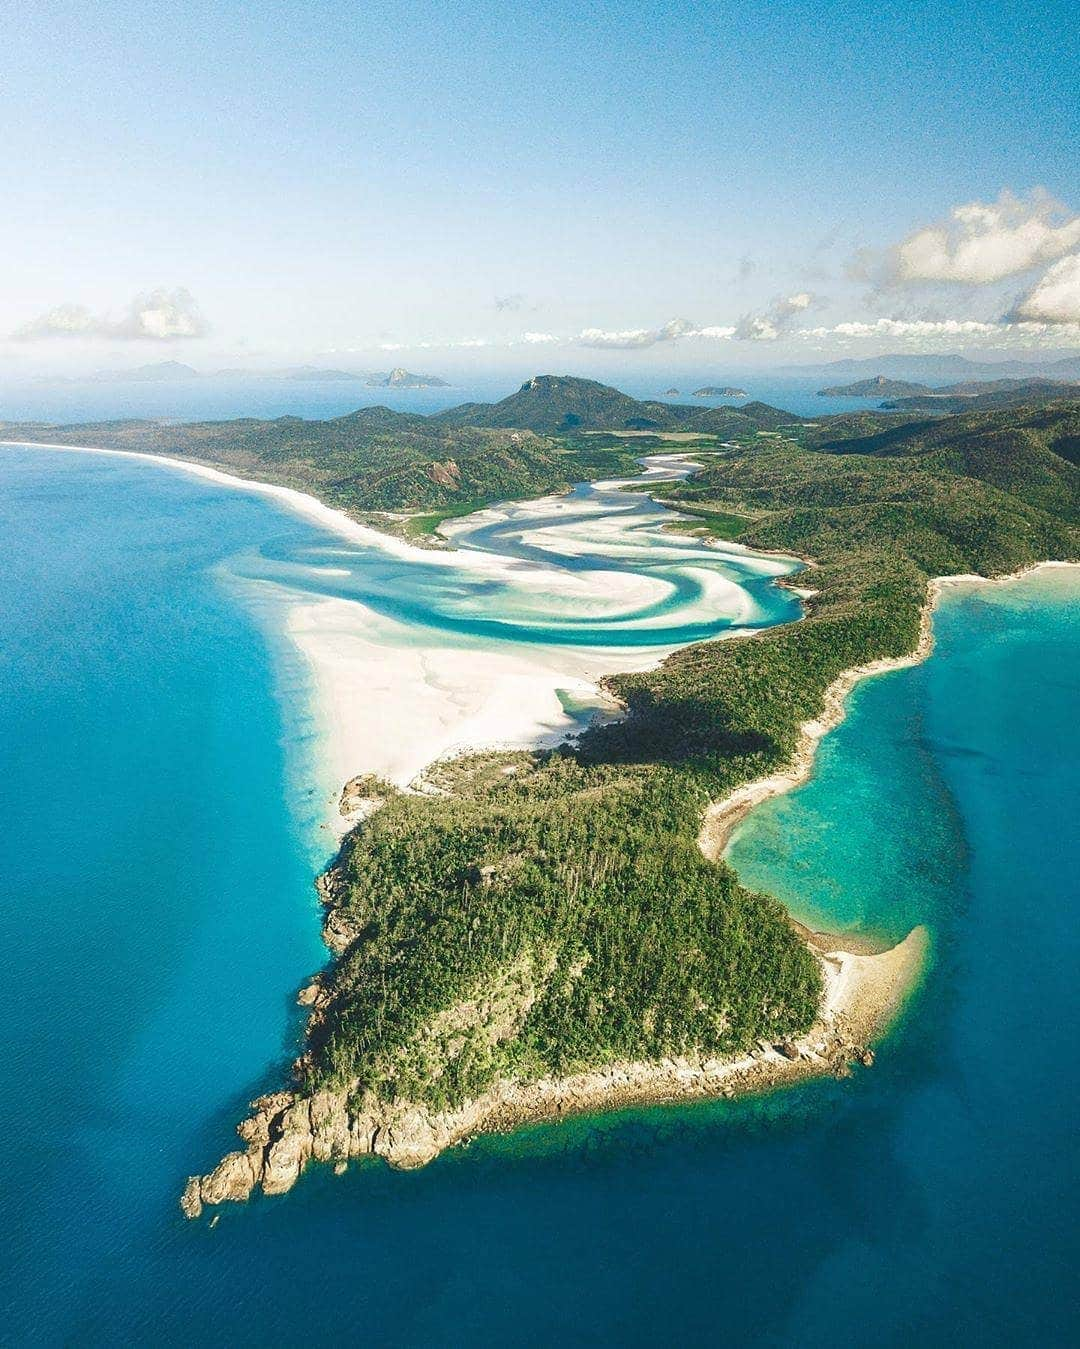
591	569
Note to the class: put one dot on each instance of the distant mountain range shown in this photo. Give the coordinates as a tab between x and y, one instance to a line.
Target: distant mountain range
939	369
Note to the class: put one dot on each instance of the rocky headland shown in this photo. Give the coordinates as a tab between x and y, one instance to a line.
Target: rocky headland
287	1129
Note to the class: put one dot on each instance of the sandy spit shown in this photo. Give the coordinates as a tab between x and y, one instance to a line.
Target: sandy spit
862	995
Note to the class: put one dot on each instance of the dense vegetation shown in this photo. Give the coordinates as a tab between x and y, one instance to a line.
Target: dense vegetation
552	911
539	913
969	396
984	395
563	405
374	463
544	919
406	473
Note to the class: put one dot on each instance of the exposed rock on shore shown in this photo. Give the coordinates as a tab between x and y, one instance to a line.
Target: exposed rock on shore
338	933
362	796
287	1130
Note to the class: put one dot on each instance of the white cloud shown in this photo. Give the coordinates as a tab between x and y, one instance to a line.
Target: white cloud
768	326
429	345
925	334
158	315
163	316
905	328
1030	324
66	320
980	243
633	338
1055	298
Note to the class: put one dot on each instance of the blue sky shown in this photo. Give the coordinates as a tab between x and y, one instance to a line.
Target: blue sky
331	180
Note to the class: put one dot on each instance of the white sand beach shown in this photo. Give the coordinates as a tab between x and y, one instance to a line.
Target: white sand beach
390	697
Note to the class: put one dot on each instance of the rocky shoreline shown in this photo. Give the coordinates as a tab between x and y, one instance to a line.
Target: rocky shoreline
287	1129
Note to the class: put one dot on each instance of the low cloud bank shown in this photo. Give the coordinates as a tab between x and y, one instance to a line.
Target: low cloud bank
157	315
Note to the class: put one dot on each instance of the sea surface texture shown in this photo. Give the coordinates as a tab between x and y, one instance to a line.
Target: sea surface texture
164	813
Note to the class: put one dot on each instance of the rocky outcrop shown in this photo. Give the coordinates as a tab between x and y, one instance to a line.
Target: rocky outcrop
311	994
338	931
446	475
287	1130
361	797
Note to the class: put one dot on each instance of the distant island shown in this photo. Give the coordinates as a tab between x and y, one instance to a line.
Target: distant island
937	369
878	387
160	370
715	391
671	393
405	379
396	379
547	931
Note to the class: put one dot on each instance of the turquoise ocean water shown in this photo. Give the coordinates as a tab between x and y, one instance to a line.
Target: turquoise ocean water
161	829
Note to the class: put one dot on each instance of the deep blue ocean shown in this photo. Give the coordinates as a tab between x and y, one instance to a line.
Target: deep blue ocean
161	829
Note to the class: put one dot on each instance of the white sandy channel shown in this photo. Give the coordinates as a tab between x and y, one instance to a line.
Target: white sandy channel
388	701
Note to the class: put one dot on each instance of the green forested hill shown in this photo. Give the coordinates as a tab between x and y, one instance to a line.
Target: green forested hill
558	404
565	404
374	460
984	395
1033	453
378	460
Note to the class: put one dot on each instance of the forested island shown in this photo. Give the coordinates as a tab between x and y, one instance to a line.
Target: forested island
539	916
974	395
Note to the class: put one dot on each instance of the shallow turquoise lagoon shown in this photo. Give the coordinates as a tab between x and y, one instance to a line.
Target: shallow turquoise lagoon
160	833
